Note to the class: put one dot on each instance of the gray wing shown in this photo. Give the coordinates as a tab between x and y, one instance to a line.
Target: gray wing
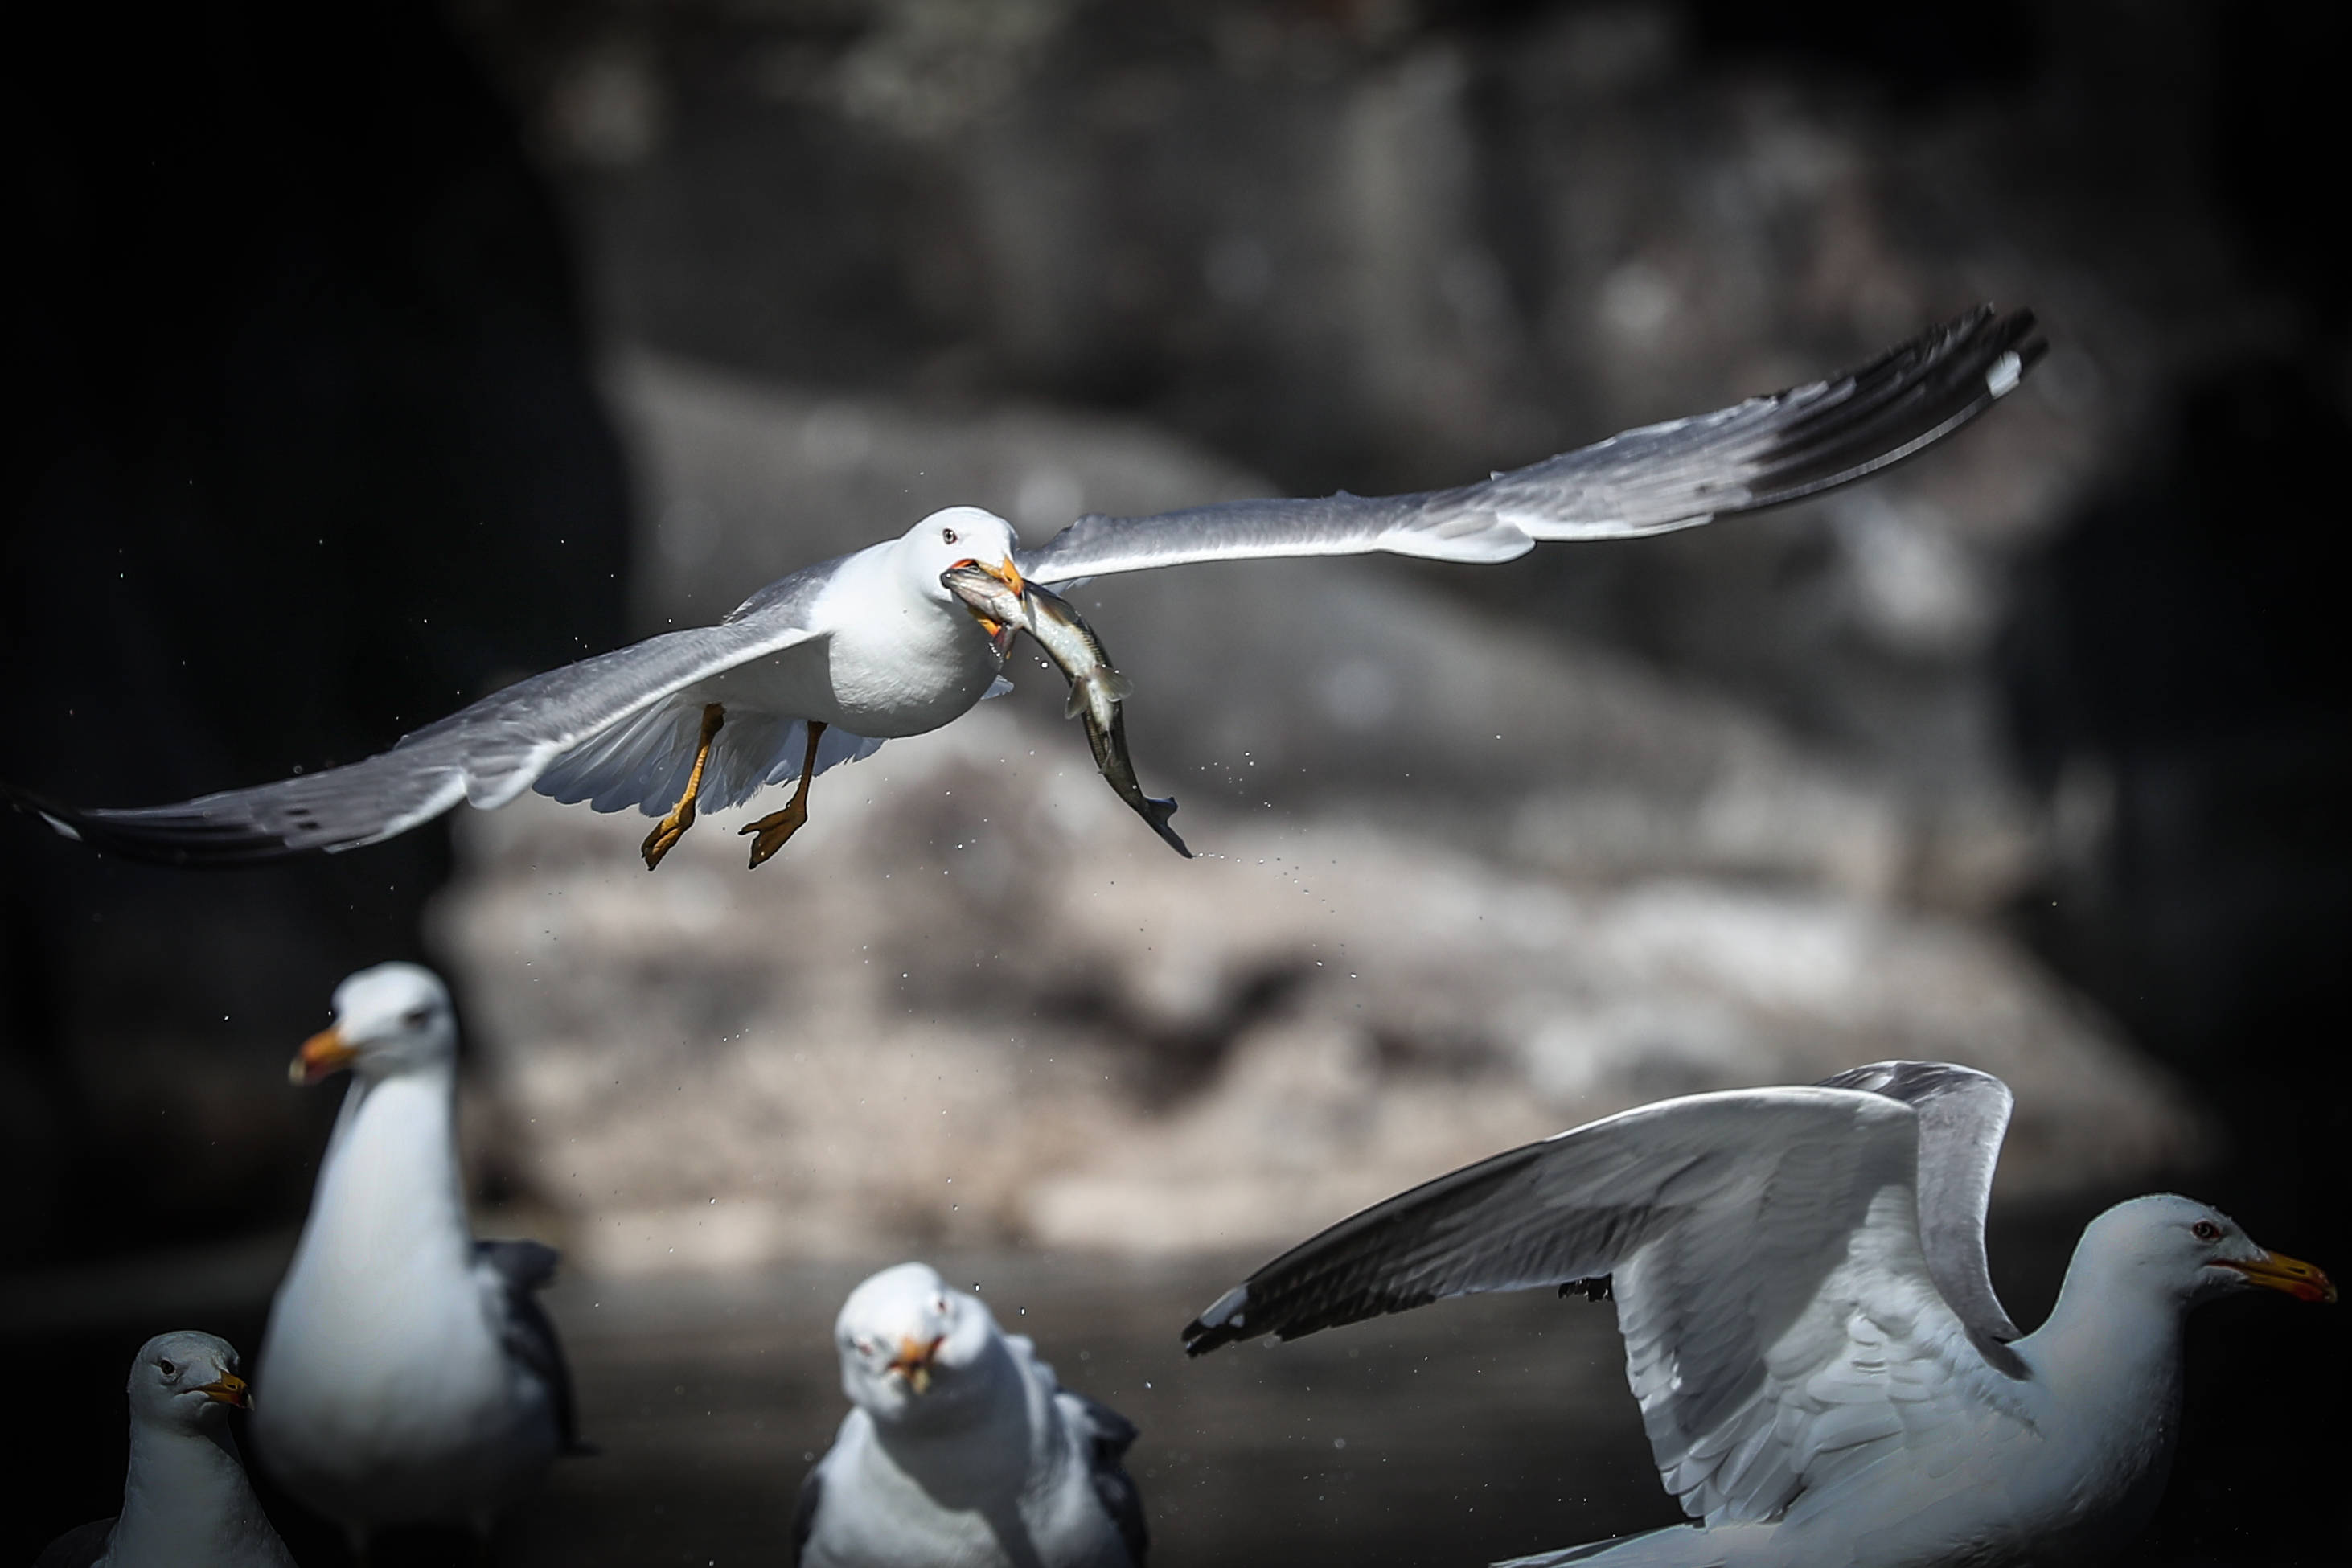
1781	1329
78	1548
1962	1115
1112	1436
486	755
1577	1206
518	1270
1755	453
804	1510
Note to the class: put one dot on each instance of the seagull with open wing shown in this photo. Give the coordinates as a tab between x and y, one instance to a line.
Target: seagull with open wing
821	667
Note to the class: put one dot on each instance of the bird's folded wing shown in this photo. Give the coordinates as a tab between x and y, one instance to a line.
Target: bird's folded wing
485	754
1110	1435
1777	1311
513	1272
1755	453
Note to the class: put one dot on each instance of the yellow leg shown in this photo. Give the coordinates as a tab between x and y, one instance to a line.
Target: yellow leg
671	828
777	826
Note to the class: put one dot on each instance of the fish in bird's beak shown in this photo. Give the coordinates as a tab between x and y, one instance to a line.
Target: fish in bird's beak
230	1390
1005	575
914	1359
323	1055
2301	1280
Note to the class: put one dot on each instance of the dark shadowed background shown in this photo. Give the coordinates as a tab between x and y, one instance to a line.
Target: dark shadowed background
368	358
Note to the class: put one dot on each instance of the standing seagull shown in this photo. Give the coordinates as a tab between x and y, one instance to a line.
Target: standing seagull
1825	1375
186	1501
408	1375
963	1449
823	665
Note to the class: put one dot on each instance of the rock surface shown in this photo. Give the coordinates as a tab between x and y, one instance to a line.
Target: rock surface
976	1002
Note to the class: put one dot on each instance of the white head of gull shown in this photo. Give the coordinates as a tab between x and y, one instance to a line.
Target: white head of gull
822	666
185	1500
408	1375
962	1446
1823	1371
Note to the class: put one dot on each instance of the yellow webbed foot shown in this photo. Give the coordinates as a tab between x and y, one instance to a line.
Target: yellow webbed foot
775	828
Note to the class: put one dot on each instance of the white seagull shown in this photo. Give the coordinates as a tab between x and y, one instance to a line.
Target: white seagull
823	665
186	1501
1825	1375
407	1375
962	1450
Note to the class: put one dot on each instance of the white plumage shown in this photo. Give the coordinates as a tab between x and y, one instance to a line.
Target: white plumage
1823	1371
962	1450
407	1376
185	1500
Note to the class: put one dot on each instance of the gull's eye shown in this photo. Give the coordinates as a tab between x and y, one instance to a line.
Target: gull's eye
2206	1230
417	1017
165	1367
947	536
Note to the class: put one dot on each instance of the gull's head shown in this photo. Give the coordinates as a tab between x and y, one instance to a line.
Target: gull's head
910	1346
391	1019
183	1380
960	536
2195	1252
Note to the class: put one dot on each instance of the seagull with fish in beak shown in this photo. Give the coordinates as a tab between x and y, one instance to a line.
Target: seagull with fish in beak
185	1500
962	1448
823	665
411	1377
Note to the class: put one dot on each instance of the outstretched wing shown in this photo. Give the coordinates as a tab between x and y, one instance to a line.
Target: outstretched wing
1755	453
1781	1327
515	1272
486	755
1963	1114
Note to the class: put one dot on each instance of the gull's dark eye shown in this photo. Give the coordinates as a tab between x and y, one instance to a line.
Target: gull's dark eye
167	1368
417	1017
947	536
2206	1230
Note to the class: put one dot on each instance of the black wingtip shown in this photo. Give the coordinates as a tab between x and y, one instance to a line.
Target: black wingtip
156	835
1224	1323
1901	403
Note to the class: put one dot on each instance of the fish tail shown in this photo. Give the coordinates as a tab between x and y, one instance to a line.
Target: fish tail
1157	813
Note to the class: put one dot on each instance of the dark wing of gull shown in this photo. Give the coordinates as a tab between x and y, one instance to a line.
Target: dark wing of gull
1755	453
1733	1224
804	1513
1962	1115
485	754
1112	1434
517	1271
81	1547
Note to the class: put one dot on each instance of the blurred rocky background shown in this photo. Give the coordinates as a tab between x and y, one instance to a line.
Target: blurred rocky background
372	359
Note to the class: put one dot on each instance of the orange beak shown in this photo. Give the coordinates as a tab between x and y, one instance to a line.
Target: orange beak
914	1359
230	1390
321	1056
2299	1280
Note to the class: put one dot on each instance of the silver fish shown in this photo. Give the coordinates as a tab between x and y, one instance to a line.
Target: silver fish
1096	688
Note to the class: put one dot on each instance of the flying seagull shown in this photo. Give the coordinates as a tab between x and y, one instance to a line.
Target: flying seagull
186	1501
823	665
962	1450
408	1376
1824	1373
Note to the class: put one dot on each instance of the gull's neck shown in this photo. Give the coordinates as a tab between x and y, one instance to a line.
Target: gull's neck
389	1199
186	1501
995	1434
2109	1357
